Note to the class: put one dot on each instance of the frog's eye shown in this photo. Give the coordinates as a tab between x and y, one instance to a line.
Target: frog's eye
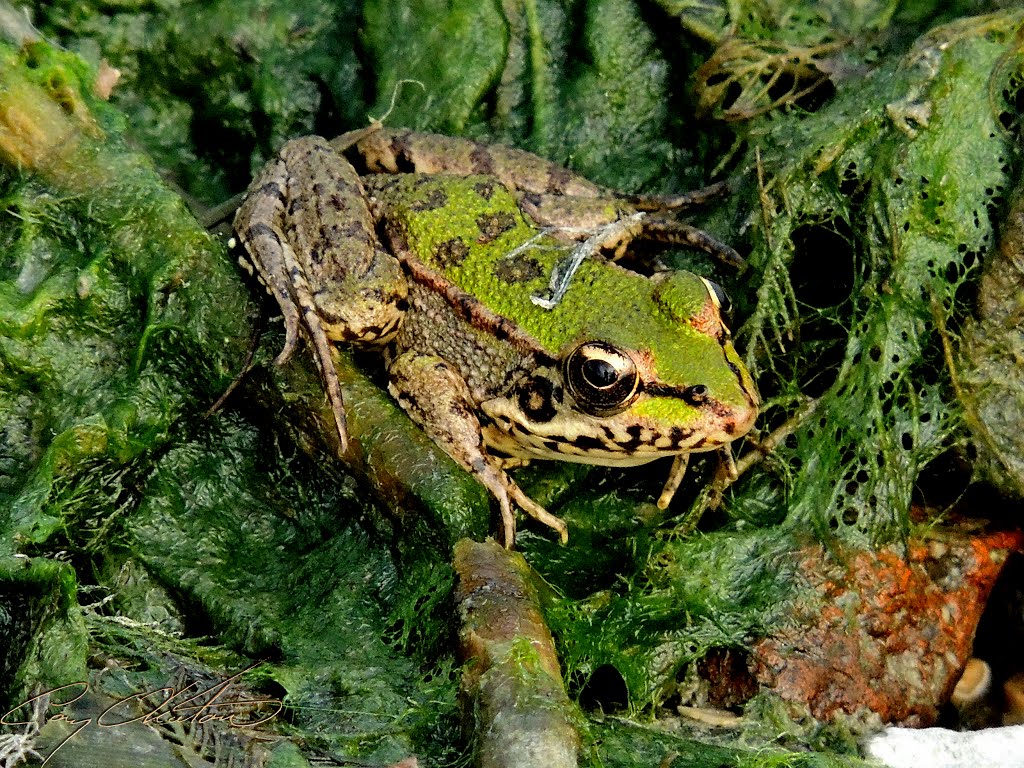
721	301
602	379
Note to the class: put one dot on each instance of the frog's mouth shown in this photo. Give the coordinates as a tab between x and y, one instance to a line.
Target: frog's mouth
623	440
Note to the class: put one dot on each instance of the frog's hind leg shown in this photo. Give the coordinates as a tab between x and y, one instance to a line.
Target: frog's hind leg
694	199
437	398
397	150
258	225
673	232
317	337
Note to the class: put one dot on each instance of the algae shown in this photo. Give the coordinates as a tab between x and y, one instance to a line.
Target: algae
868	146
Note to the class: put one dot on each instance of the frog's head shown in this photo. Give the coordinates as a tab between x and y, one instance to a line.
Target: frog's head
664	381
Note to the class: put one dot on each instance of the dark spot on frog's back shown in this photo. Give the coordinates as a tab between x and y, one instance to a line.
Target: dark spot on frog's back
451	253
434	199
484	188
260	229
503	330
535	399
518	269
558	180
337	202
270	189
468	306
493	225
350	230
482	162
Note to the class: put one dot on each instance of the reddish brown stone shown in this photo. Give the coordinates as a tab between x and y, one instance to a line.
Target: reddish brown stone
877	631
729	669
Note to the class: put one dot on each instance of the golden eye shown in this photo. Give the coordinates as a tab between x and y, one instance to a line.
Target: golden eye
602	379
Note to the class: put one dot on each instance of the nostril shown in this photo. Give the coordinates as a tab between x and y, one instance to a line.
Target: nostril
696	395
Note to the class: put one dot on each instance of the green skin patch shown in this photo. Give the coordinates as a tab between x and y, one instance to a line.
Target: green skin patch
470	229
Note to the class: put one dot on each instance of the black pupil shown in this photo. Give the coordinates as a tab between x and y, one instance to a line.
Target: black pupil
599	373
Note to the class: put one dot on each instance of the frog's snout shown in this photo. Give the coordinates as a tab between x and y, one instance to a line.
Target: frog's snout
730	420
741	420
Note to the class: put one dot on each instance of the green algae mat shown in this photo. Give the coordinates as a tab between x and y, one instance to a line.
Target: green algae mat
158	535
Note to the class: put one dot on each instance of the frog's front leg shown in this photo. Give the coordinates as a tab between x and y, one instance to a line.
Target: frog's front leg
437	398
307	228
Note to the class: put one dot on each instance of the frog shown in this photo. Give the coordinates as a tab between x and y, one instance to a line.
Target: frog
437	251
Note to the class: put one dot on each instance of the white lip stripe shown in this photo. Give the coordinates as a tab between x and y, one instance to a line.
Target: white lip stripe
653	446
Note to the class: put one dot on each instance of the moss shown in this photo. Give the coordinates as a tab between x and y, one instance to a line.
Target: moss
110	311
45	638
212	89
866	171
275	562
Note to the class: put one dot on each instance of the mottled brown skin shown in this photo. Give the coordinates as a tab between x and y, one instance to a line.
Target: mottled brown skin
401	151
284	224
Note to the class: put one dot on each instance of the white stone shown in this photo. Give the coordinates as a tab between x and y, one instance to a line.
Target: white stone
942	748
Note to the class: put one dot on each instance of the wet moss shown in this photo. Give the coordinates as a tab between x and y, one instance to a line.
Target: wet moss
882	183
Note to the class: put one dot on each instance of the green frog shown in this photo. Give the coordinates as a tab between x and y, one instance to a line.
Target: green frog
444	254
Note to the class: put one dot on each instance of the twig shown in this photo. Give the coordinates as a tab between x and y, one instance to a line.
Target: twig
523	715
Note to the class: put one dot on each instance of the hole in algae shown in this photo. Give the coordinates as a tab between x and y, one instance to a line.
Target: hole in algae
823	263
604	690
823	275
944	479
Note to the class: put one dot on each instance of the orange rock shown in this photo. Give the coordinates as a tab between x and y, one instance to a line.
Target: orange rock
880	631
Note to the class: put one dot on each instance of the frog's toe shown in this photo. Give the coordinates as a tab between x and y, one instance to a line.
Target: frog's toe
291	335
675	232
537	512
285	354
508	522
339	422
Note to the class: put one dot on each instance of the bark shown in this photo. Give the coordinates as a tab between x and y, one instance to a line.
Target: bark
522	716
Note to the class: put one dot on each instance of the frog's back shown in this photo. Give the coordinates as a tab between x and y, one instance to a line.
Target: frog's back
470	233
